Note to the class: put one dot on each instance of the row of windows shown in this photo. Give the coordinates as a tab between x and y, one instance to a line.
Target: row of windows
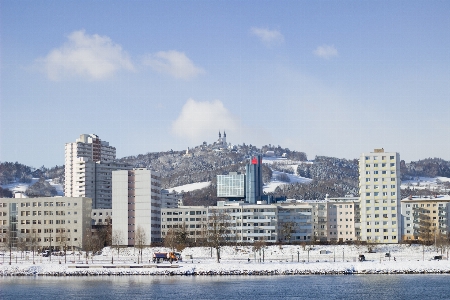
378	193
382	157
376	187
383	165
384	216
27	222
394	237
378	208
382	172
341	233
423	205
192	212
384	230
376	179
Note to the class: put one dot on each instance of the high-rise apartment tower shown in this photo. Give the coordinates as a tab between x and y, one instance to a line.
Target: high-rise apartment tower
379	189
88	166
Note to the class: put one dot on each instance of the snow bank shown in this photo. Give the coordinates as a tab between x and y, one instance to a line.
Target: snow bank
241	260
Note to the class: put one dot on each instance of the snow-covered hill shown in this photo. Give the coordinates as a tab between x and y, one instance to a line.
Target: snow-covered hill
22	187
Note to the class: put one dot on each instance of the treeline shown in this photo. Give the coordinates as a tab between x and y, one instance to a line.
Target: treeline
15	172
429	167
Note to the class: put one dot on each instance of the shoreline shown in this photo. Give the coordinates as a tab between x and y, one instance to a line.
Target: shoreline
227	269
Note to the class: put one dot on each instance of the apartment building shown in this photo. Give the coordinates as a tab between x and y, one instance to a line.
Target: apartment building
295	222
342	220
425	218
136	204
247	223
171	199
46	222
192	219
88	166
379	187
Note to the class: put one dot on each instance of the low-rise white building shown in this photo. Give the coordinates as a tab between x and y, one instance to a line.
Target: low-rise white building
45	222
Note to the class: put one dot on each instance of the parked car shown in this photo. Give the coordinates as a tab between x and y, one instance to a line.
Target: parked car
437	257
362	257
387	255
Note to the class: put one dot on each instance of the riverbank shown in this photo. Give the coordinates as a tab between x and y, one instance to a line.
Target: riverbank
231	268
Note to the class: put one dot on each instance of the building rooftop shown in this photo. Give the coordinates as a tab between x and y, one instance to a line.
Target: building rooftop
426	198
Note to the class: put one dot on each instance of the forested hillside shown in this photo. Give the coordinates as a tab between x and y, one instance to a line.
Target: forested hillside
333	176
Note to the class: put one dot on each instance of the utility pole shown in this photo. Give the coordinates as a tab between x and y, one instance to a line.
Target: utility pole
50	247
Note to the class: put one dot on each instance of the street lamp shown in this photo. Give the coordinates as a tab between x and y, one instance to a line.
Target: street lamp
50	247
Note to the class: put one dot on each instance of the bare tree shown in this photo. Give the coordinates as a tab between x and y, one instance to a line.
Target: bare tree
6	239
218	229
140	238
287	229
117	240
170	240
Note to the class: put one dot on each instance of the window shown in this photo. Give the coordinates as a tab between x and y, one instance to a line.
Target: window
391	157
392	165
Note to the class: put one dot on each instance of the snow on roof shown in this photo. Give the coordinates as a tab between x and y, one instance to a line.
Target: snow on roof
427	198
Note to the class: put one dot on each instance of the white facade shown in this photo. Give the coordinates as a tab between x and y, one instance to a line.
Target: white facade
88	166
136	202
45	222
379	189
248	222
193	219
435	208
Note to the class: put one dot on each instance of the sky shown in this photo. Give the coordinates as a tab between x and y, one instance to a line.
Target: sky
334	78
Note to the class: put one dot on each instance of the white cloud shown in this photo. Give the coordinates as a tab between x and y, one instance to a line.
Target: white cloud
174	63
92	56
199	121
326	51
268	37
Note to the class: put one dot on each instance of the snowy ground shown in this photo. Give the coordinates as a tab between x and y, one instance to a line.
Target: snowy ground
235	260
431	183
274	183
190	187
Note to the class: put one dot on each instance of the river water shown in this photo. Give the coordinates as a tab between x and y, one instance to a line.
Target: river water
228	287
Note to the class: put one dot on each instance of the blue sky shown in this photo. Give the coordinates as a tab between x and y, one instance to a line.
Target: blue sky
333	78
